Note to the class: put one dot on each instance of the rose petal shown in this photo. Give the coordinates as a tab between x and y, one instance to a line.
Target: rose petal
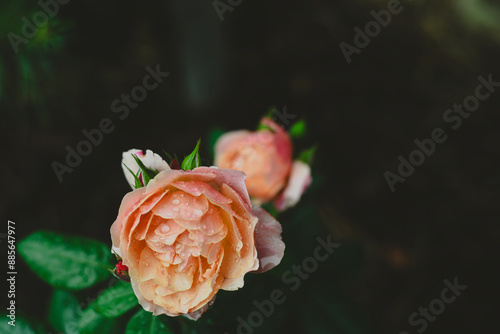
197	314
179	281
148	264
299	180
270	247
181	206
197	188
239	256
141	231
232	178
127	205
140	214
201	238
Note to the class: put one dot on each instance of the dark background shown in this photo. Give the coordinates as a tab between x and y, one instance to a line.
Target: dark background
397	248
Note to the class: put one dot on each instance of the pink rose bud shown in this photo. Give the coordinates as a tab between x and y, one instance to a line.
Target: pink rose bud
299	181
150	160
121	271
265	156
188	234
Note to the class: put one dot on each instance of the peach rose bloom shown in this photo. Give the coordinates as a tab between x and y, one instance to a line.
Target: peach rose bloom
265	156
188	234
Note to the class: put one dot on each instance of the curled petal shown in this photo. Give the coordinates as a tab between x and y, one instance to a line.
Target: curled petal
147	305
299	181
129	203
197	188
270	247
197	314
232	178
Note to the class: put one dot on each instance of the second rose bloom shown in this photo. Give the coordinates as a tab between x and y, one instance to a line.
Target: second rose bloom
265	156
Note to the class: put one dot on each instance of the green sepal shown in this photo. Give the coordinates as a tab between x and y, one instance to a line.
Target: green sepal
138	183
298	129
307	156
147	173
193	160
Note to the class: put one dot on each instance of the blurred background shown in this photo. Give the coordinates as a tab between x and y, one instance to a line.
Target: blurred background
228	65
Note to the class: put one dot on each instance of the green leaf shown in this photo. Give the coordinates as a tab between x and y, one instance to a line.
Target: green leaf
22	326
298	129
144	322
116	300
92	322
147	173
307	156
193	160
66	261
64	312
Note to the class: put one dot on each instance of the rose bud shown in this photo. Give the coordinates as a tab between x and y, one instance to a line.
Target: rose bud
188	234
150	160
121	271
265	156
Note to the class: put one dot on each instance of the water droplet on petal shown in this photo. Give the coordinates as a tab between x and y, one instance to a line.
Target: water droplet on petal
146	264
176	202
164	228
175	209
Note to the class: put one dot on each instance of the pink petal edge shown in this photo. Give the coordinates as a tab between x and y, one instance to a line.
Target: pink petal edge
270	247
